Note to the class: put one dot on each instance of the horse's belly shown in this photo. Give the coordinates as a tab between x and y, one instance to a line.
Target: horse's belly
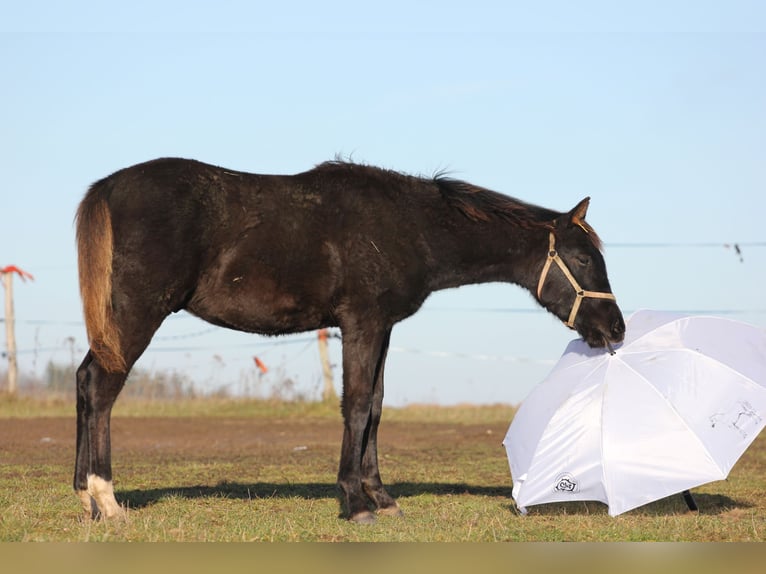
260	298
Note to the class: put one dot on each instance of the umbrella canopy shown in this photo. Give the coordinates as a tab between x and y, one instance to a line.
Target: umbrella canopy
674	407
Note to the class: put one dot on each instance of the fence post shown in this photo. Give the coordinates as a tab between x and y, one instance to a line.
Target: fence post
328	390
10	336
10	332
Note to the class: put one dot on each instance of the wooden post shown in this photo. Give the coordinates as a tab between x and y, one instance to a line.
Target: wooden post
10	333
328	389
10	336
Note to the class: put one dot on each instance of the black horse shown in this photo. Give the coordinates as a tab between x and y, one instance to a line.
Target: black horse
341	245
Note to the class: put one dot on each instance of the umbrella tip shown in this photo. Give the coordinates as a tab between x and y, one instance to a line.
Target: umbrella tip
611	349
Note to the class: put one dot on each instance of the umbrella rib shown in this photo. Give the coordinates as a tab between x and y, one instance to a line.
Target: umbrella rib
686	318
602	458
697	353
723	365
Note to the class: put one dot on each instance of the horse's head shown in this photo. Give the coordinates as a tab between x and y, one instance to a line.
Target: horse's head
573	283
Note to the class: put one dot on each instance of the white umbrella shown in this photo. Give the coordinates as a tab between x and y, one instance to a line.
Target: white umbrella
674	407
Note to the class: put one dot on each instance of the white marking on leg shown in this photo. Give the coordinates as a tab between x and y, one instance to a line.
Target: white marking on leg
102	492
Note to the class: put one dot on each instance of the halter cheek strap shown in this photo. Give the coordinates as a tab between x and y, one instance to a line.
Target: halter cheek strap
553	257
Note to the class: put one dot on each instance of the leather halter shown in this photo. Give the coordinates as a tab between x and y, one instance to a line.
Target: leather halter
553	257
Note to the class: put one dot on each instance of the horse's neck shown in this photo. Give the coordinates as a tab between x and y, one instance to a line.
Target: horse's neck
492	251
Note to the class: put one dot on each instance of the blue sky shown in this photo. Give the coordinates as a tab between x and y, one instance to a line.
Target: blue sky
657	110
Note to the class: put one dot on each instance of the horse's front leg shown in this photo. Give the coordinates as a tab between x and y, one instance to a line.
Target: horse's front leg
363	353
96	393
371	481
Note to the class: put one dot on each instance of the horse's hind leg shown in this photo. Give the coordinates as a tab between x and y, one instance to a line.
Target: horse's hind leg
96	392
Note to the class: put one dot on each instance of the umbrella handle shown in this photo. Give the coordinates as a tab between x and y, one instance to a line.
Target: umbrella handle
690	501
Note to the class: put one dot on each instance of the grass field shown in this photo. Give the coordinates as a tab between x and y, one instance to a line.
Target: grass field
222	470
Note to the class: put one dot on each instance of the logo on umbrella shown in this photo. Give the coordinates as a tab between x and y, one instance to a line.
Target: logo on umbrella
566	483
742	418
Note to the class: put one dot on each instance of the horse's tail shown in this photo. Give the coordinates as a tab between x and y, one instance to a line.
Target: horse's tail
94	259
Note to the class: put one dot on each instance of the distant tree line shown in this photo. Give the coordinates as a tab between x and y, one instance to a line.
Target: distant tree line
59	379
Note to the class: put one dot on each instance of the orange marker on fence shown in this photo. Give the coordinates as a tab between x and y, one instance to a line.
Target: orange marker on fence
261	366
21	273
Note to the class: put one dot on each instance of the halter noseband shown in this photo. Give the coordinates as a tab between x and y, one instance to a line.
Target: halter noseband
553	256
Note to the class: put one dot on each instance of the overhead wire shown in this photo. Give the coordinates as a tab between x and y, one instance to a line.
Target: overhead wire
737	246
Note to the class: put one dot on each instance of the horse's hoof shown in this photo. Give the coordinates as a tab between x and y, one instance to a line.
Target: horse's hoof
89	506
365	517
393	510
118	513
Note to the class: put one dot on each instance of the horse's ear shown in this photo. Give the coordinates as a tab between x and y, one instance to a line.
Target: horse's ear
577	215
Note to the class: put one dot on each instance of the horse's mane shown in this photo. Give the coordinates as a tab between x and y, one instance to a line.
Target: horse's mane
481	204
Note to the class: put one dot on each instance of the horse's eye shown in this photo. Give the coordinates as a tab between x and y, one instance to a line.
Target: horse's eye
583	261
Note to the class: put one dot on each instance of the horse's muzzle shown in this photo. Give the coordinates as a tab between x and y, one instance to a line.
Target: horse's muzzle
617	332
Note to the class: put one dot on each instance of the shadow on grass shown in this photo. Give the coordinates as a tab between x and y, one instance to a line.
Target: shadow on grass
709	504
312	490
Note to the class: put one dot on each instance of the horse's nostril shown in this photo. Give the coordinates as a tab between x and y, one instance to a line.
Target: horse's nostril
618	329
